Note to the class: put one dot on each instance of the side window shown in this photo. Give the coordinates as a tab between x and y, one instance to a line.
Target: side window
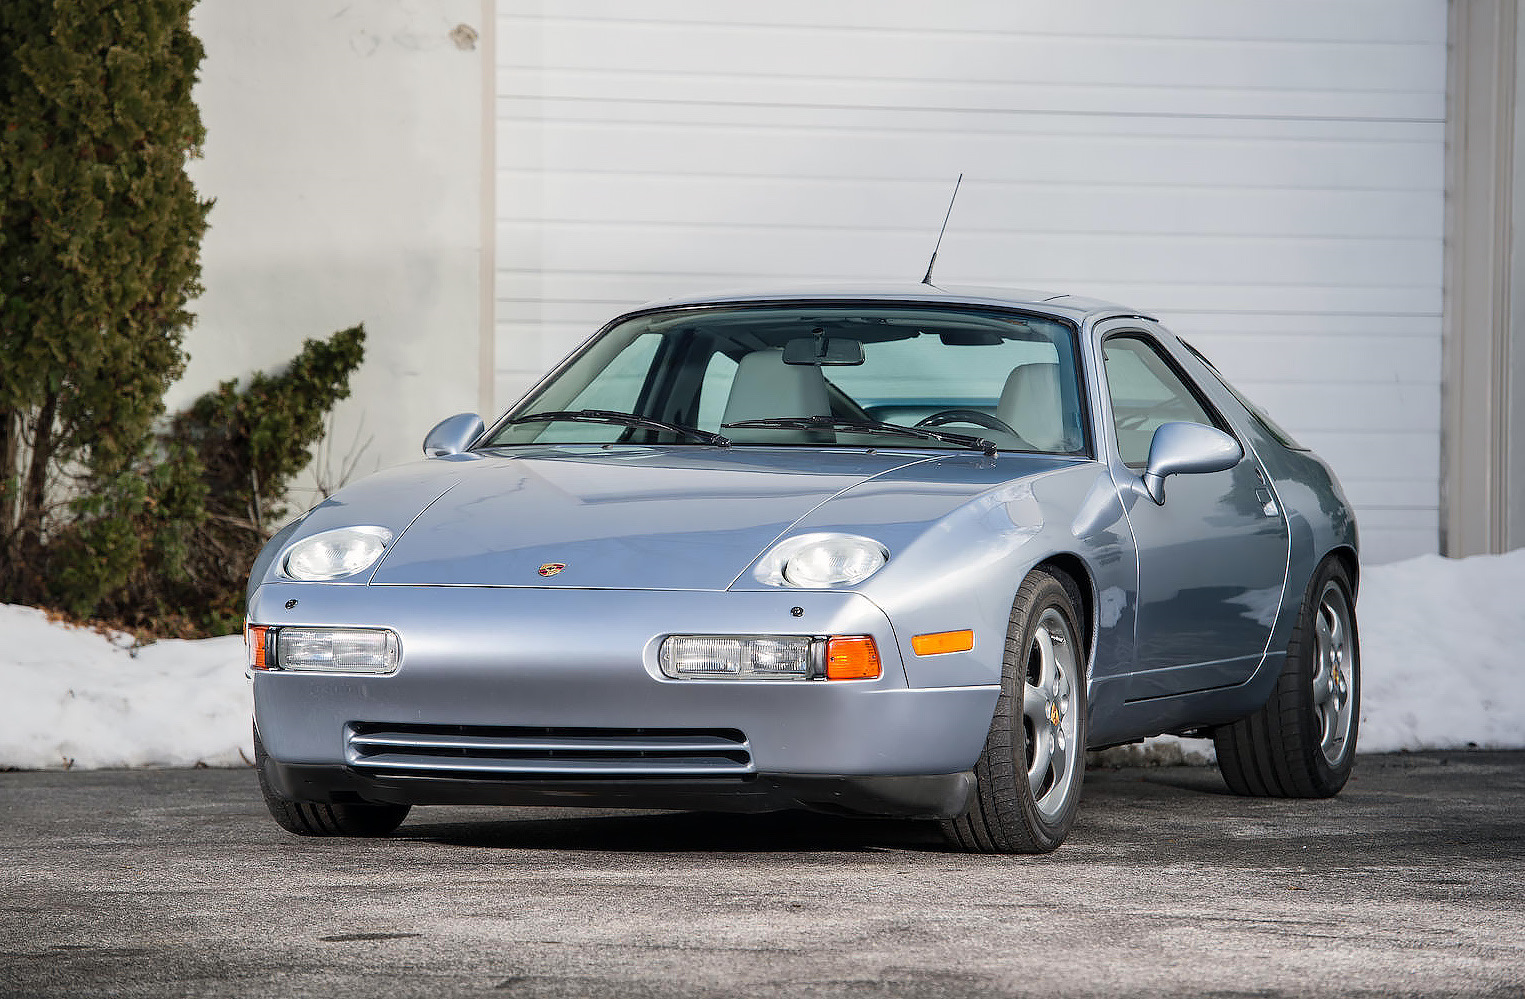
1146	392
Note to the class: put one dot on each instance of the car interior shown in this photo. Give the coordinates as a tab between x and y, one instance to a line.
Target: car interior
1003	378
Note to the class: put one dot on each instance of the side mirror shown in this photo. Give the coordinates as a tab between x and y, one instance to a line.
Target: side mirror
1187	449
452	435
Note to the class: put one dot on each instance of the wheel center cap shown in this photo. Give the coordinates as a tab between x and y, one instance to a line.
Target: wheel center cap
1054	716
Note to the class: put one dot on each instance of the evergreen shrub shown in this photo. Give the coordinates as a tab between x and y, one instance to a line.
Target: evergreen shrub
103	512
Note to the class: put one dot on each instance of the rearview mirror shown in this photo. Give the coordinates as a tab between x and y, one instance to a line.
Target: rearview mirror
453	434
821	351
1187	449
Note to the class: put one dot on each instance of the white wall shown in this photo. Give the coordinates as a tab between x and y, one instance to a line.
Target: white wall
344	150
1268	178
1514	403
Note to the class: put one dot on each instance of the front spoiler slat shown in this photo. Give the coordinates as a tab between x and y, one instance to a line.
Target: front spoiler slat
511	744
614	768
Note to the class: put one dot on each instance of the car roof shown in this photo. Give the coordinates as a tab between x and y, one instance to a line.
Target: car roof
1071	307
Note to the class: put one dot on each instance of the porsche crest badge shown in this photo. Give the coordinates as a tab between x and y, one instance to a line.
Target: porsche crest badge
552	568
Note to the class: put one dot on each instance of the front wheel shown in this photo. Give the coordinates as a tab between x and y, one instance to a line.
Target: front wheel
1027	781
314	818
1302	743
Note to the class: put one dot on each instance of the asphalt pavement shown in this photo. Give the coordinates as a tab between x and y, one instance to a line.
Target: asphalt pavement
176	883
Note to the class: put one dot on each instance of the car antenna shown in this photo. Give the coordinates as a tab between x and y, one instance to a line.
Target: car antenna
933	262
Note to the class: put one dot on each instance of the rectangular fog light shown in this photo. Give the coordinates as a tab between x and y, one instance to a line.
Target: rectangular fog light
337	650
719	657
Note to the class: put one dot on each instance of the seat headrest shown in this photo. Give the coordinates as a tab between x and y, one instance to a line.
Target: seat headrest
1032	406
764	386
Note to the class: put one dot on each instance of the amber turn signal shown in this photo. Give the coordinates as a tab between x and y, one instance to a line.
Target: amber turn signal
853	657
254	637
943	641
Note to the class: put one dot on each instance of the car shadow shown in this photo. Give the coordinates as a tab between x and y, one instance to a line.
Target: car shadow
681	832
1196	779
768	832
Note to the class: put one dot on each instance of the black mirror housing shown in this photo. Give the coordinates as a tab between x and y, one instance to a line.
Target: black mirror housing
823	351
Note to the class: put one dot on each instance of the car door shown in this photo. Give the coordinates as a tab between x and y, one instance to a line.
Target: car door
1212	558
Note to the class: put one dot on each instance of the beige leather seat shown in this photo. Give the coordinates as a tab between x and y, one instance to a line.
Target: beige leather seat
765	387
1032	406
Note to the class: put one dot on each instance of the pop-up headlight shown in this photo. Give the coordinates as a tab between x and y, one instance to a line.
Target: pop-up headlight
818	561
336	554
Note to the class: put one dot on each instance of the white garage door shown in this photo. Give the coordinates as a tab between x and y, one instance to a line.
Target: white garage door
1267	178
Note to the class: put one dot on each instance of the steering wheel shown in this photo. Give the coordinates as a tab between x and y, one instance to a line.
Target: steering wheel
968	416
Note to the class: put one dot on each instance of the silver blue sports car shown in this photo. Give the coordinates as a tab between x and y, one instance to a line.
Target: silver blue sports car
901	551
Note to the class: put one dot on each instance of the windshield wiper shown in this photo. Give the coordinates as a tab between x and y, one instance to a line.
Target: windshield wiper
610	417
864	427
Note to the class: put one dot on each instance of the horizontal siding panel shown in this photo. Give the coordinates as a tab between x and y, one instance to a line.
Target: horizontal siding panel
1392	22
540	342
1353	407
530	113
995	205
1327	359
829	151
1381	325
966	98
1149	66
1391	535
1166	297
613	292
1043	259
1414	494
1382	545
1382	453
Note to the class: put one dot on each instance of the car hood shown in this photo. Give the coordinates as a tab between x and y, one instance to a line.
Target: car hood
638	518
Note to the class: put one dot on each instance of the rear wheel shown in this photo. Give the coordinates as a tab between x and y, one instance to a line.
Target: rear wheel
311	818
1027	781
1302	743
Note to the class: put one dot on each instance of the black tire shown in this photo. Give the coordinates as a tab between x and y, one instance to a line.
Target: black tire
312	818
1026	796
1302	742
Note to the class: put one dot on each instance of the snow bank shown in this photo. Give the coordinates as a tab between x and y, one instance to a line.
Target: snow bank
1443	653
1441	650
70	697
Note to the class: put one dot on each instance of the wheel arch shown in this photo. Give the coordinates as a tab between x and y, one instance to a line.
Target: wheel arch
1346	557
1079	572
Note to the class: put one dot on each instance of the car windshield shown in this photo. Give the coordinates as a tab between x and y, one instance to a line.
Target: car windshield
813	375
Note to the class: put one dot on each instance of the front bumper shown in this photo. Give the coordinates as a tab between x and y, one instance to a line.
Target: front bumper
554	696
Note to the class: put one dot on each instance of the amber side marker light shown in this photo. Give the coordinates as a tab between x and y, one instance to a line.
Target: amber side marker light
854	657
943	642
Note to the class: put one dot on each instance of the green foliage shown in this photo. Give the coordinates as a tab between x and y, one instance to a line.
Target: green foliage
208	501
238	450
100	233
252	441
